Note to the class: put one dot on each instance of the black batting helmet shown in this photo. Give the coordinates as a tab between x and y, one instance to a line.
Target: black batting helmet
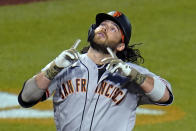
119	18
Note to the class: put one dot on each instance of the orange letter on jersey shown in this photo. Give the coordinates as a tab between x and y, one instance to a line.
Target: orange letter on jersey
77	84
70	86
102	88
83	85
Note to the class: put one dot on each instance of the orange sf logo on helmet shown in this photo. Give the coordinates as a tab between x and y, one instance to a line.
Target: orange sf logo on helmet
117	14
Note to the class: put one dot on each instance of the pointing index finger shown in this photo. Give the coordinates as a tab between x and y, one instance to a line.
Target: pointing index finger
76	44
111	52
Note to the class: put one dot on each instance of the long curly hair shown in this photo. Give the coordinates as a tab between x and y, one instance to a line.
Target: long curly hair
129	54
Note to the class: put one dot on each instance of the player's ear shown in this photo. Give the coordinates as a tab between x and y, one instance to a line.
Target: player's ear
120	47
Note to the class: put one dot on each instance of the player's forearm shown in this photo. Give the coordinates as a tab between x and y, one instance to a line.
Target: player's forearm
34	88
42	81
153	87
149	84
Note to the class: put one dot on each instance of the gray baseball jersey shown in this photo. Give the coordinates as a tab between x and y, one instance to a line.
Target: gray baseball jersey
85	102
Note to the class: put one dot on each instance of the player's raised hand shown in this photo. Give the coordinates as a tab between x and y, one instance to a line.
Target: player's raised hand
68	57
65	59
116	65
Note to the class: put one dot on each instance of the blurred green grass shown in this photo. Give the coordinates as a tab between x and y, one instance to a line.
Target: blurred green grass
31	35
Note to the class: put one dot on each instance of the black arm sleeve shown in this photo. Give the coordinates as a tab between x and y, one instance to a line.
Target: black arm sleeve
25	104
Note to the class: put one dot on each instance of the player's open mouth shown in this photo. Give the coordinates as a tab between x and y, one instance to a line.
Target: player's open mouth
101	34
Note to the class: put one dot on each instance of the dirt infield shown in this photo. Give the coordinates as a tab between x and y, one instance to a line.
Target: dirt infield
16	2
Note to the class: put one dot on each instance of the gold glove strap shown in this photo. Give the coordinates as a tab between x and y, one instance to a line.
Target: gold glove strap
52	71
137	77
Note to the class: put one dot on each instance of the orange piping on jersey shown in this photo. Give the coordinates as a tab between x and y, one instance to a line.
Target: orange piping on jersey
47	93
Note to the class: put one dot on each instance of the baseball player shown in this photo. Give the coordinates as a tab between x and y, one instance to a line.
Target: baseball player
100	88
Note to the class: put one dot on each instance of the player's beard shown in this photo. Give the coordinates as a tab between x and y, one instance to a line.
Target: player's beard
101	47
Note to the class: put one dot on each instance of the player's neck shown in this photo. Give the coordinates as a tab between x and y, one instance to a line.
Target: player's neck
96	56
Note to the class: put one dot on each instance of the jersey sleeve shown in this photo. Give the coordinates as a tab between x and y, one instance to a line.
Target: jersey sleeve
52	86
142	98
51	89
